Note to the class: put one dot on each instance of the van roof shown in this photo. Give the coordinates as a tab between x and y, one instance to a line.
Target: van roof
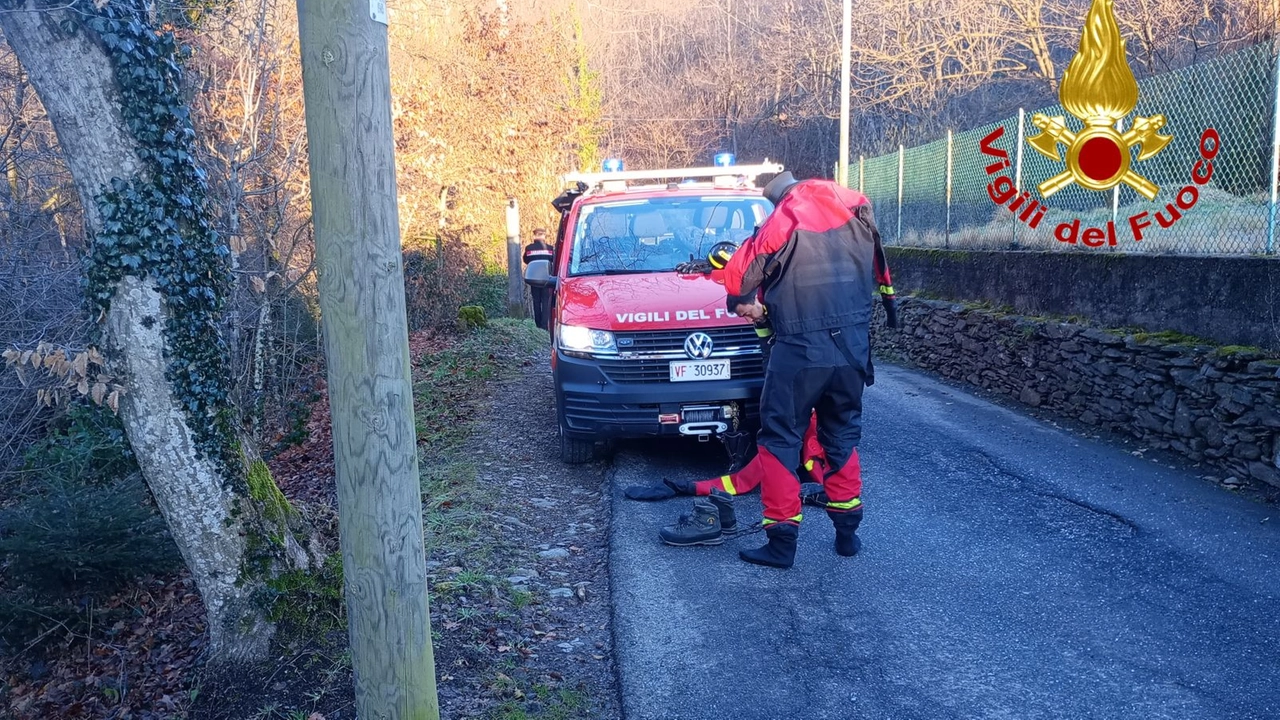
642	192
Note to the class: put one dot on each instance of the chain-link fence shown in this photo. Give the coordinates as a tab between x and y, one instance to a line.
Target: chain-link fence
936	195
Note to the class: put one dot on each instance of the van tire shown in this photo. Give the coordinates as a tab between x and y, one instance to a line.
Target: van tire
576	452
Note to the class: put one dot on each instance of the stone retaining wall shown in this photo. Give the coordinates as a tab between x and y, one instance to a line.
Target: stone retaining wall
1226	300
1219	406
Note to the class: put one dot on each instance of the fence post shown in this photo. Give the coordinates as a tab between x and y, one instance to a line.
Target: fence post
862	162
947	229
1017	169
1275	157
515	282
443	207
901	157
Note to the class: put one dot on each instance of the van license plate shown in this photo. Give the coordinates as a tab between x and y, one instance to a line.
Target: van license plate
687	370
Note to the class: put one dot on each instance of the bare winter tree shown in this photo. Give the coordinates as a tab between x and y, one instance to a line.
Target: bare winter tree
763	77
39	241
73	54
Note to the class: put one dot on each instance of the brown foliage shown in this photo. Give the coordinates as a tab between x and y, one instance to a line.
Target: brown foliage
482	106
82	374
762	79
40	238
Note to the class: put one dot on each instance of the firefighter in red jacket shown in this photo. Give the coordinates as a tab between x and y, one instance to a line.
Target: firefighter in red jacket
818	261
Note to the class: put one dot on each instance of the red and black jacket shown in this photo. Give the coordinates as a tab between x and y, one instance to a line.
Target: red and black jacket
818	260
537	250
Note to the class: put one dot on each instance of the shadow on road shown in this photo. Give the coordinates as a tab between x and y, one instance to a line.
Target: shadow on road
1009	570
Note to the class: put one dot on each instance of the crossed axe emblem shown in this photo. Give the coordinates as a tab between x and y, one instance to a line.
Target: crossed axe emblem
1097	136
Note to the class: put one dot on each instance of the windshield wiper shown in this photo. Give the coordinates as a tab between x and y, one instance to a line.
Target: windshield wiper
618	271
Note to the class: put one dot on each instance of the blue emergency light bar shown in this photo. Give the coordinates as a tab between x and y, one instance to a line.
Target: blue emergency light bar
612	165
724	160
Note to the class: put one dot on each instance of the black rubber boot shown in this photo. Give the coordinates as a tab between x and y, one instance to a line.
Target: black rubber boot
847	541
681	487
699	527
739	445
780	551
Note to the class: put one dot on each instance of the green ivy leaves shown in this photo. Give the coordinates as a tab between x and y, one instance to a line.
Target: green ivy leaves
156	224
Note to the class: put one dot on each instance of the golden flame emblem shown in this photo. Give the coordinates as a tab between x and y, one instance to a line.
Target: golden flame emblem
1099	89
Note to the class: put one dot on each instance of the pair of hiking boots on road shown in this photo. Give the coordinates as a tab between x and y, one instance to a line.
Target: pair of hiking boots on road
713	519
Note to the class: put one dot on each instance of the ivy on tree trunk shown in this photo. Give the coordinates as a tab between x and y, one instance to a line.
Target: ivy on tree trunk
157	277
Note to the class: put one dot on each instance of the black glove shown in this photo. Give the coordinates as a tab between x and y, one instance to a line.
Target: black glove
680	487
694	267
649	492
890	312
739	445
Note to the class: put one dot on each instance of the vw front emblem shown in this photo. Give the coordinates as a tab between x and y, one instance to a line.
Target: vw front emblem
698	346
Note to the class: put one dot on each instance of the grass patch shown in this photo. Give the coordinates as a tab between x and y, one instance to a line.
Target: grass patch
987	306
521	599
458	513
1220	223
448	383
546	704
1170	337
466	546
1230	350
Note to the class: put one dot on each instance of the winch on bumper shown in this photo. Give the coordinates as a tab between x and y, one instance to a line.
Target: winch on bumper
636	393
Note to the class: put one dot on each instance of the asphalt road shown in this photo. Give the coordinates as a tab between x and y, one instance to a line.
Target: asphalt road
1008	570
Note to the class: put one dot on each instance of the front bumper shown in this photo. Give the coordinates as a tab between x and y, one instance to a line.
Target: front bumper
594	404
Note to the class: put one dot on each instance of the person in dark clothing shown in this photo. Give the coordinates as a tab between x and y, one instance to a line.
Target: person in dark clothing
539	249
819	261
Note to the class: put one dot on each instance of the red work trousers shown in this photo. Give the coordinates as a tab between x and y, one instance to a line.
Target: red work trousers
820	374
750	476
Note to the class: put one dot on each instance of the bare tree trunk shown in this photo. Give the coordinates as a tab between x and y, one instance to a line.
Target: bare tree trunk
189	491
75	80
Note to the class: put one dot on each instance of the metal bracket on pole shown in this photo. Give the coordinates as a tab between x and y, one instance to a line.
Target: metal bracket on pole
947	228
901	158
1275	155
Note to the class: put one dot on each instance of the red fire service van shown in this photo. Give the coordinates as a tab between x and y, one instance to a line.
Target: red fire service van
638	349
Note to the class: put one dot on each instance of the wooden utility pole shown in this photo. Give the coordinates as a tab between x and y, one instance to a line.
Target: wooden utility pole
347	88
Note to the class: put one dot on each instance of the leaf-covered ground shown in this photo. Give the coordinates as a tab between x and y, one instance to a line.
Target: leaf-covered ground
516	561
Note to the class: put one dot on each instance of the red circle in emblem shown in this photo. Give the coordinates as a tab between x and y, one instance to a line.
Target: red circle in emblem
1100	158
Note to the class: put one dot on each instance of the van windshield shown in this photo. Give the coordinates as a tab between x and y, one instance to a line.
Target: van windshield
656	234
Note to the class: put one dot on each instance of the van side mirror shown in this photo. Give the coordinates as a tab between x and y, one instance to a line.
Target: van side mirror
538	274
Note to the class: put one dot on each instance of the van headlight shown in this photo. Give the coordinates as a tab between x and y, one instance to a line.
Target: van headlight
582	341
